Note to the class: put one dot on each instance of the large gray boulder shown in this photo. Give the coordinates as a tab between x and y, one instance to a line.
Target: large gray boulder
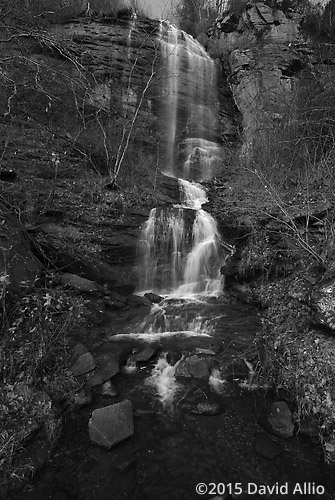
111	424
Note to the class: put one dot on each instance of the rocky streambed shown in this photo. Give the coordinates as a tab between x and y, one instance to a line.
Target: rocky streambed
158	417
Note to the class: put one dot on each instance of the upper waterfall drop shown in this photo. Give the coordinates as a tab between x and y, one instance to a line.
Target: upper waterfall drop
190	103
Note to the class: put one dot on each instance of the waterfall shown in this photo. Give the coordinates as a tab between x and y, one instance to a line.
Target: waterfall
181	248
190	103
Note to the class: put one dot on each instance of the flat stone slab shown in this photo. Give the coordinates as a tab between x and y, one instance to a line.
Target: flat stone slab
107	366
112	424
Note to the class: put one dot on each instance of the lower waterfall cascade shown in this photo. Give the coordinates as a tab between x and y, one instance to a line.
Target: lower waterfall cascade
181	249
181	255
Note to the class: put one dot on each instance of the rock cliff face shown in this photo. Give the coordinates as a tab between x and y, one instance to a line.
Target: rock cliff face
265	57
120	59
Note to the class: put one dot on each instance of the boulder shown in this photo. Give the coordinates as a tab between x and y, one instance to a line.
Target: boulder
80	284
137	301
197	366
153	297
112	424
278	420
83	364
145	354
107	366
107	389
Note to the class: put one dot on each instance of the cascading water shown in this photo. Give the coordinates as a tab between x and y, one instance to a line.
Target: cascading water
190	103
182	251
181	248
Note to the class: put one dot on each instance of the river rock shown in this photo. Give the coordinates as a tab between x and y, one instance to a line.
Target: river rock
153	297
137	301
107	389
112	424
145	354
278	419
83	364
265	447
197	366
107	366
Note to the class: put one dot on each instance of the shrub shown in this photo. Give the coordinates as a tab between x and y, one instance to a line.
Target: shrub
34	358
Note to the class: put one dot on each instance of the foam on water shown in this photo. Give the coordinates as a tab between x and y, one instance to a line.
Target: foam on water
164	381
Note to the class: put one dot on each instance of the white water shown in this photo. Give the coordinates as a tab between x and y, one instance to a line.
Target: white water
181	247
190	111
164	382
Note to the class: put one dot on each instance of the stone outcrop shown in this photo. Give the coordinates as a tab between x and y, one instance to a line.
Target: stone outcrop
120	55
265	58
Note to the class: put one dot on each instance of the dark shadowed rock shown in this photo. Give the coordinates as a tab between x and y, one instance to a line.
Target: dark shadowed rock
153	297
145	354
137	301
111	424
107	389
80	284
107	366
83	364
198	366
278	419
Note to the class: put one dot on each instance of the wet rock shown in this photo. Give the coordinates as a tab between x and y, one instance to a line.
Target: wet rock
278	420
266	447
145	355
115	301
153	297
200	400
137	300
198	366
107	366
80	284
107	389
112	424
83	364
